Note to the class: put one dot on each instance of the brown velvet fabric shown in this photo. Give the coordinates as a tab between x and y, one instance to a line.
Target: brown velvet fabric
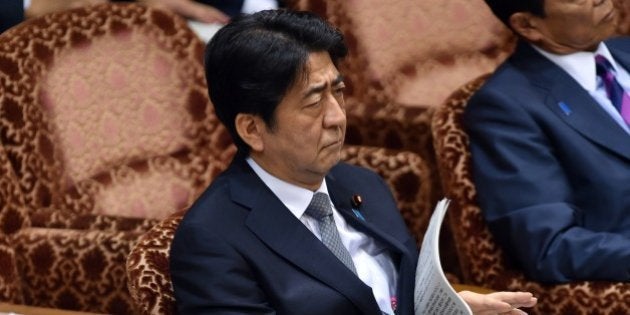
483	263
148	264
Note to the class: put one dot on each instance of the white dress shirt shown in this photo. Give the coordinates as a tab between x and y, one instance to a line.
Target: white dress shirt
581	67
373	263
252	6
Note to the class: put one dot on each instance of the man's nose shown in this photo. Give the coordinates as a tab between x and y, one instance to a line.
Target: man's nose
335	114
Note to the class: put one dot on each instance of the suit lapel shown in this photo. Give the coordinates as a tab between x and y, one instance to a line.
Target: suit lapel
279	229
341	198
364	221
571	103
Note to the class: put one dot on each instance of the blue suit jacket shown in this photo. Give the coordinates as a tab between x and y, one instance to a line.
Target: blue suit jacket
239	250
11	13
552	170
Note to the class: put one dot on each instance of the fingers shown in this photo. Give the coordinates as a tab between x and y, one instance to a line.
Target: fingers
499	302
81	3
41	7
192	10
516	299
485	304
201	12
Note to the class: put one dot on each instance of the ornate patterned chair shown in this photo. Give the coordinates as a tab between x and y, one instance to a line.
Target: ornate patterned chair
148	263
482	261
106	129
47	263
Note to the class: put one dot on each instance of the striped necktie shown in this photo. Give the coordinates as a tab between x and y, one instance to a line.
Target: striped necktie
617	95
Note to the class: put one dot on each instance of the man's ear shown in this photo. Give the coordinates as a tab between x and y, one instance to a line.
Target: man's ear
249	128
526	25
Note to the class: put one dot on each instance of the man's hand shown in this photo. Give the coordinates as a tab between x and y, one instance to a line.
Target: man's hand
41	7
191	10
498	302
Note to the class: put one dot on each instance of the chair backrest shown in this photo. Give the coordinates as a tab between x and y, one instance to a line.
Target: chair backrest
624	19
483	263
105	110
414	52
148	263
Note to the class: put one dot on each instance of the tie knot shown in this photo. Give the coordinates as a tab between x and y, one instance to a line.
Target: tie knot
319	206
602	65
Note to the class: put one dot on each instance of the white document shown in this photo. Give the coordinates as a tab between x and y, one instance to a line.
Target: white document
433	294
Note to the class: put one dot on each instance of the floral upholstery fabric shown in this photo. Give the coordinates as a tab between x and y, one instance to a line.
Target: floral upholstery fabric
148	270
62	268
10	286
105	129
624	21
414	53
105	111
148	264
483	262
74	269
13	215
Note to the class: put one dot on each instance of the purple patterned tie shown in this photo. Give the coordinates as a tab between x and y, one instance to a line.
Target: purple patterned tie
617	95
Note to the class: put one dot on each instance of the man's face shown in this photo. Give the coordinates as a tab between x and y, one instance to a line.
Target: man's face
575	25
310	125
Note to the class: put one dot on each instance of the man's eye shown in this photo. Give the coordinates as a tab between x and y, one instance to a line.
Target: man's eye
314	103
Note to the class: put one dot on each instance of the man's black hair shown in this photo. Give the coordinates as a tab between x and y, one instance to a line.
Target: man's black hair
254	60
504	9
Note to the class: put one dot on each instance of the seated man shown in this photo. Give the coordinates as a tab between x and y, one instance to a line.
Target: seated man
277	232
550	142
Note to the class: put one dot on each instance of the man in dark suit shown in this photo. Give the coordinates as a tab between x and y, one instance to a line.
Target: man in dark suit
550	142
282	230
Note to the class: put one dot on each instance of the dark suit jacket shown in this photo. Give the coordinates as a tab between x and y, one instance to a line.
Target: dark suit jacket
239	250
11	13
552	170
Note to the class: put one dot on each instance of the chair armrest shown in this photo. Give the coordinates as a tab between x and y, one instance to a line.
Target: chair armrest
48	218
10	284
75	269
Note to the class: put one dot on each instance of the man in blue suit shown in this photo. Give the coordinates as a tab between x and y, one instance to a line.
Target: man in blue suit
282	231
550	142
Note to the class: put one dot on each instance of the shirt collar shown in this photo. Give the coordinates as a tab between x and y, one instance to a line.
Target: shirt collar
293	197
580	65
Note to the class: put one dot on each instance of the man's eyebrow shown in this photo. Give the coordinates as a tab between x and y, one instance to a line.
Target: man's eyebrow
320	87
